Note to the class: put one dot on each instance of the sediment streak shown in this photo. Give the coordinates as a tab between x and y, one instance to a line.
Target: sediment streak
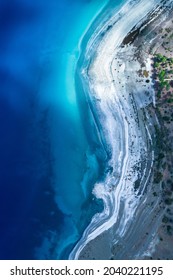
109	77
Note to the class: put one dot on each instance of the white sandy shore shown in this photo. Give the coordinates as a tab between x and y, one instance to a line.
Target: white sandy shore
117	97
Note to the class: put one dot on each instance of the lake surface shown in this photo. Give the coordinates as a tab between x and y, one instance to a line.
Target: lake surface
49	146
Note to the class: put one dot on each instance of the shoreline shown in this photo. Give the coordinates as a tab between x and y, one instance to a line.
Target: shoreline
109	93
121	202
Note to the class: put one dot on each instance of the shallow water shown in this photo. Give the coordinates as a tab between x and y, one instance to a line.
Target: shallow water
48	158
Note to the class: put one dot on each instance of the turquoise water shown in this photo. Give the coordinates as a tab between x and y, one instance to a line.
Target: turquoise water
51	156
75	164
48	163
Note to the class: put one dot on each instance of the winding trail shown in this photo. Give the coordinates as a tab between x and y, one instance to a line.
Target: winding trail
109	76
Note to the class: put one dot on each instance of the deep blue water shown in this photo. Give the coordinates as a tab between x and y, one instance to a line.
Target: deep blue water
48	162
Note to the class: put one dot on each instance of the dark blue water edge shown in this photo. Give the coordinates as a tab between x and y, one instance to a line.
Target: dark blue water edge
43	148
49	160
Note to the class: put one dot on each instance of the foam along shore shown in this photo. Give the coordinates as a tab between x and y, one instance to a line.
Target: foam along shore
109	77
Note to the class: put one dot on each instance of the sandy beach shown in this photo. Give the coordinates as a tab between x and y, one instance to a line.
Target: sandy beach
117	76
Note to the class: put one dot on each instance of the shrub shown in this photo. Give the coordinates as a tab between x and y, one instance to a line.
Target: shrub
168	201
158	177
